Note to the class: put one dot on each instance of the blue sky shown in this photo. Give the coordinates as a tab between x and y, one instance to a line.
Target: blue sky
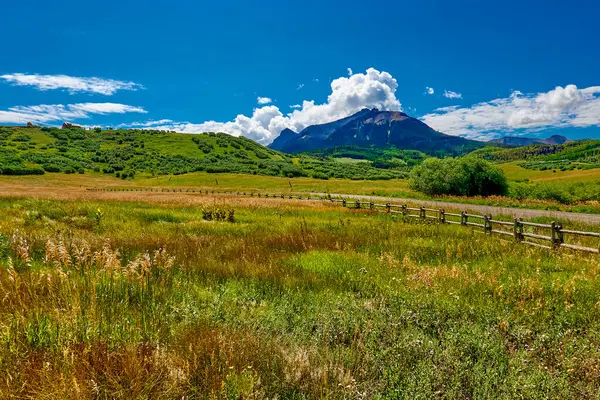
193	66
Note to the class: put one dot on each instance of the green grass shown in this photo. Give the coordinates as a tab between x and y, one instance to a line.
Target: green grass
517	173
293	300
351	160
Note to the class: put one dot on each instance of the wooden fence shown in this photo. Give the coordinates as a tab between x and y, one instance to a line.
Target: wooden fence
548	236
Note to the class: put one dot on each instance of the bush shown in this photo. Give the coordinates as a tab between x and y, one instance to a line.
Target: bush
320	175
467	176
20	170
51	168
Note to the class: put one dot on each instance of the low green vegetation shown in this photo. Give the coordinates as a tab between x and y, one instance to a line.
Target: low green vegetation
386	158
563	157
292	300
560	191
127	153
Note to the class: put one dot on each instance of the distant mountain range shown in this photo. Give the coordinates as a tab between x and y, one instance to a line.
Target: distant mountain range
374	128
514	141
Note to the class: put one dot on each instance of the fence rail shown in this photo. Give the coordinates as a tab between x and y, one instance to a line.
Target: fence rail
555	230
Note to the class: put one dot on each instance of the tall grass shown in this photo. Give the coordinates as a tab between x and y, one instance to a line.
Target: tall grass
292	300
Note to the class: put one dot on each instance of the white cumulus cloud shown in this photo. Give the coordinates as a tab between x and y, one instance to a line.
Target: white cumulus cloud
350	73
72	84
263	100
452	95
429	90
45	113
371	89
560	107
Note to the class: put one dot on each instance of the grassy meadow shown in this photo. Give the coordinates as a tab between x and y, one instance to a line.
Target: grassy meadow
398	188
134	295
516	173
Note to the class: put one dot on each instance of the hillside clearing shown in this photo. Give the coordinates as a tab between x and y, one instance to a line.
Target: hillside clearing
514	172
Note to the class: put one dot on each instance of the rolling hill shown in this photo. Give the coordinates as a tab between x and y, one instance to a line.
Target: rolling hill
371	128
583	154
126	153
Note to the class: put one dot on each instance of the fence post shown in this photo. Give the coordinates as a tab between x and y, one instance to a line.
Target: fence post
487	224
371	205
388	206
422	212
463	218
343	202
357	203
518	230
442	216
404	210
557	234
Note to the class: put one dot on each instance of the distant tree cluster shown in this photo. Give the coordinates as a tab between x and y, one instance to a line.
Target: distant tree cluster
468	176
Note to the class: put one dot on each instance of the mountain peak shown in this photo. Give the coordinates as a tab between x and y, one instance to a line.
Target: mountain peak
372	128
286	135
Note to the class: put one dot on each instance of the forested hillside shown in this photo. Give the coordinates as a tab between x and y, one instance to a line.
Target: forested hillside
125	153
581	154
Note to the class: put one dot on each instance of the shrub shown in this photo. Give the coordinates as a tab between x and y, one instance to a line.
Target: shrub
467	176
218	214
21	170
51	168
320	175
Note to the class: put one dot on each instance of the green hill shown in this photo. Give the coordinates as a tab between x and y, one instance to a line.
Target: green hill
583	154
126	153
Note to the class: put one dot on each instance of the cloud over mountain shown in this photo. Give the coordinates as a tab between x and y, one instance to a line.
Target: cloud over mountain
371	89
